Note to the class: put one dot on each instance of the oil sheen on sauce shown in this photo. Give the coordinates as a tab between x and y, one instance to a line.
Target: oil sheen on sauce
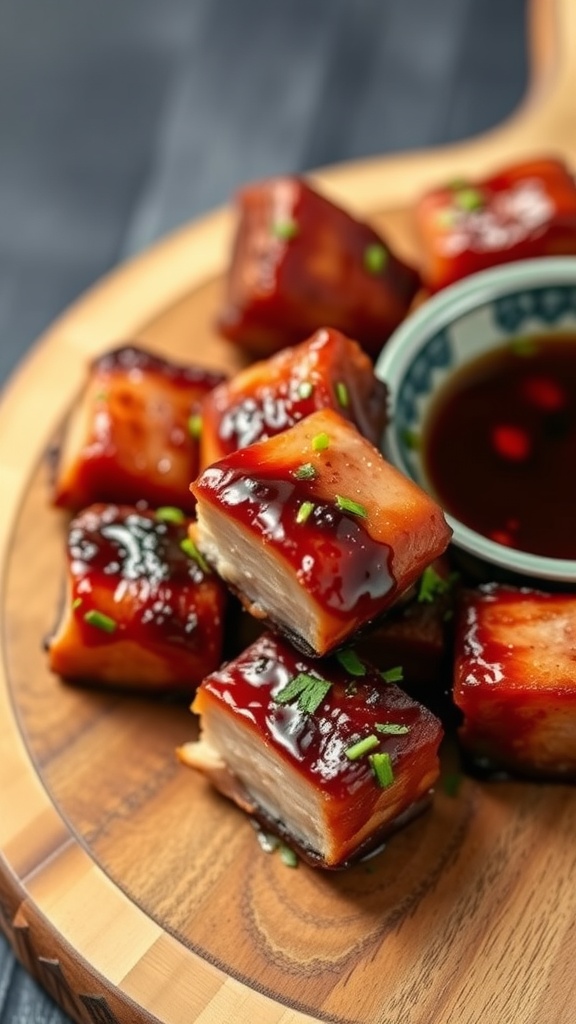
499	445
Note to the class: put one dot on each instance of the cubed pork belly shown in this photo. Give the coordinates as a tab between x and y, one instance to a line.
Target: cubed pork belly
416	636
515	680
315	531
300	262
326	754
527	209
133	435
142	609
328	370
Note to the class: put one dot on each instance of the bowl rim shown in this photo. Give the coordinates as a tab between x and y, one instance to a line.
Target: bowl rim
435	314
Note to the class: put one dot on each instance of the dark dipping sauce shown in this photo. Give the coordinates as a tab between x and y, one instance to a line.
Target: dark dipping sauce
499	446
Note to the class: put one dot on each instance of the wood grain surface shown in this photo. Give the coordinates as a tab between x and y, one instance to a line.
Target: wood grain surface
130	889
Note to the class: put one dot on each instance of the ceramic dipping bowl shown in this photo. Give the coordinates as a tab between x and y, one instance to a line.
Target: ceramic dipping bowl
481	313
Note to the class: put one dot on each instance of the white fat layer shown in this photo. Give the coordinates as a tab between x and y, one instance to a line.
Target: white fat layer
257	571
280	792
243	767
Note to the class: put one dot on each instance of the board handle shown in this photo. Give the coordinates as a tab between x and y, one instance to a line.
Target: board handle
543	124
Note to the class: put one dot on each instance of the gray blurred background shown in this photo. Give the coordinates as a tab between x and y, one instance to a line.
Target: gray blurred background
121	119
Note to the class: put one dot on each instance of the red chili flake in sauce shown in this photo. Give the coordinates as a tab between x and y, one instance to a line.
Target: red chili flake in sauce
499	445
546	393
511	442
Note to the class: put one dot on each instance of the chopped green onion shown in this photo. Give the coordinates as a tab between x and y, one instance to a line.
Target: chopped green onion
375	258
362	747
320	442
382	767
432	585
76	603
195	426
348	505
305	389
101	396
392	728
342	394
287	856
170	514
305	511
411	439
393	675
305	472
285	229
524	346
309	691
100	621
189	548
469	199
451	783
351	662
446	217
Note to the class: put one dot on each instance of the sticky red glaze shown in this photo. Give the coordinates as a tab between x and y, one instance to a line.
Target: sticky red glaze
526	210
315	743
498	443
135	443
130	566
332	553
415	634
328	370
280	289
515	679
367	533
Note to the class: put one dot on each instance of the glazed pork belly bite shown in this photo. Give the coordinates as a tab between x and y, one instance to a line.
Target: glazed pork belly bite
515	680
524	210
315	531
328	370
299	262
142	609
325	754
133	435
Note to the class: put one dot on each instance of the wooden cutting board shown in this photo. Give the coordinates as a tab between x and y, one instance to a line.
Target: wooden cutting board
129	889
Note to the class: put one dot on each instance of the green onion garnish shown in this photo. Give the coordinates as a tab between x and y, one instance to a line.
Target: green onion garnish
305	511
348	505
189	548
446	217
342	394
305	472
285	229
393	675
305	389
392	728
195	426
287	856
100	621
432	585
170	514
411	439
469	199
351	662
375	258
451	783
320	442
524	346
309	691
362	747
76	603
382	767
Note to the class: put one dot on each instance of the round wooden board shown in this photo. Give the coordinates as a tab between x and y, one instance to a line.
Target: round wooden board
130	889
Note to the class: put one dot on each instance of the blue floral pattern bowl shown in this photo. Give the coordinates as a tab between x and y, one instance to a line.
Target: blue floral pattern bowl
482	312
